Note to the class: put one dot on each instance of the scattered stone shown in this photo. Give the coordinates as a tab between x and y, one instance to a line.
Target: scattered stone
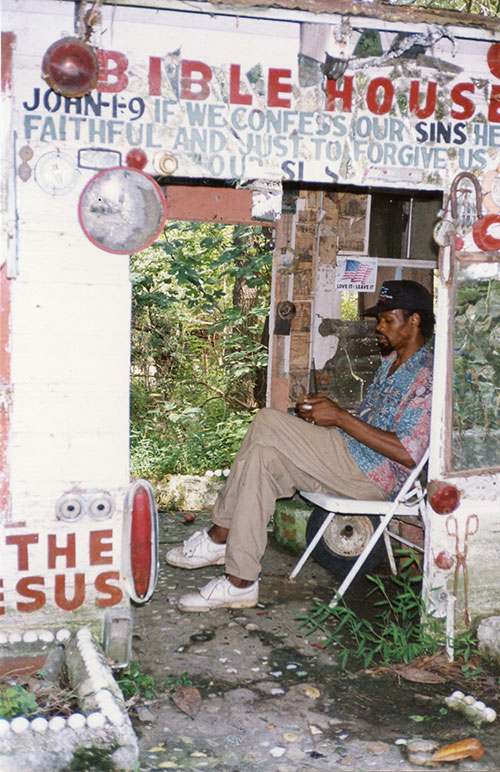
377	748
144	714
348	761
277	751
310	691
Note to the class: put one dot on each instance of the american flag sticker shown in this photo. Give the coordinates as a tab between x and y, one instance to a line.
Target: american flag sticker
356	274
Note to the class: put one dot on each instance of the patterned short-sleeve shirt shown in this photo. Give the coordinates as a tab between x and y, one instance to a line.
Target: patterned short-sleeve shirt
399	403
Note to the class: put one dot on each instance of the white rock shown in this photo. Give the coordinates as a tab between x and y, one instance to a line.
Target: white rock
57	723
4	638
30	636
19	724
277	751
39	724
63	635
458	695
490	715
15	637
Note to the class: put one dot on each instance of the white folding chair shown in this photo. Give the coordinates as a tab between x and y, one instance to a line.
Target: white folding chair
408	503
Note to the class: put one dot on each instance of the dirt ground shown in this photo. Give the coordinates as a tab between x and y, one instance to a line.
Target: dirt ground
271	697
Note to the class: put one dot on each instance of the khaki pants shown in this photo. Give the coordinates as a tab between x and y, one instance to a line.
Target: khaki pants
279	455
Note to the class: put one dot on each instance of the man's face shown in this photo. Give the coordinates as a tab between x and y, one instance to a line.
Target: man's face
393	330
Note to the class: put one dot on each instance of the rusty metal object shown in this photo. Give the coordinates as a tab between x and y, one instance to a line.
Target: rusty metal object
471	526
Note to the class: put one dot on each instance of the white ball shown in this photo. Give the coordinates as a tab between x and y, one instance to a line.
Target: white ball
19	724
76	721
47	636
57	723
4	727
39	724
95	720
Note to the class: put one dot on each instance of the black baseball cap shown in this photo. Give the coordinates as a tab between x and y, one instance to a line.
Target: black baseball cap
406	294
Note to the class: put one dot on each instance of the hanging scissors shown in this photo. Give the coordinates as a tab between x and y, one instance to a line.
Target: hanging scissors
471	526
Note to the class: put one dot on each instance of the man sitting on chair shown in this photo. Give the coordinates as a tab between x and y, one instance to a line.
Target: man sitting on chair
323	448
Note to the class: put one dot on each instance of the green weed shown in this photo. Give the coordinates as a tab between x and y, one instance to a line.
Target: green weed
135	683
394	635
16	701
173	683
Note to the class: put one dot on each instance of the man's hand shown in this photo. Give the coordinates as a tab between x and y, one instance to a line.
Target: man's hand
324	412
319	410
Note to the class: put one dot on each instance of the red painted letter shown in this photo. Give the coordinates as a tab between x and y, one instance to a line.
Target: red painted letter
154	76
191	87
97	546
430	99
102	585
2	608
235	95
388	95
494	107
276	87
333	92
24	589
22	541
462	101
69	551
118	72
60	592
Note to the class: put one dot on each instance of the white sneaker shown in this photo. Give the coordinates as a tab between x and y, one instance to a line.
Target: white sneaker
220	593
197	551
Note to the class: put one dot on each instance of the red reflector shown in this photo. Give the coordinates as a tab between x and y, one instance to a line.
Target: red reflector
443	497
140	541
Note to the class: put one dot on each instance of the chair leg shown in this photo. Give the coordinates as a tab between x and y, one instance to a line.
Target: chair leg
317	536
390	554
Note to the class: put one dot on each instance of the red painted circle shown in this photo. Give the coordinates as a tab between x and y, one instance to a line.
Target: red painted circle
482	238
140	541
136	158
493	59
459	243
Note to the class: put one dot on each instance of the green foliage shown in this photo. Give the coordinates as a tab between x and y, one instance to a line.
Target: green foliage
395	634
481	7
16	701
135	683
93	759
200	301
476	386
173	683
